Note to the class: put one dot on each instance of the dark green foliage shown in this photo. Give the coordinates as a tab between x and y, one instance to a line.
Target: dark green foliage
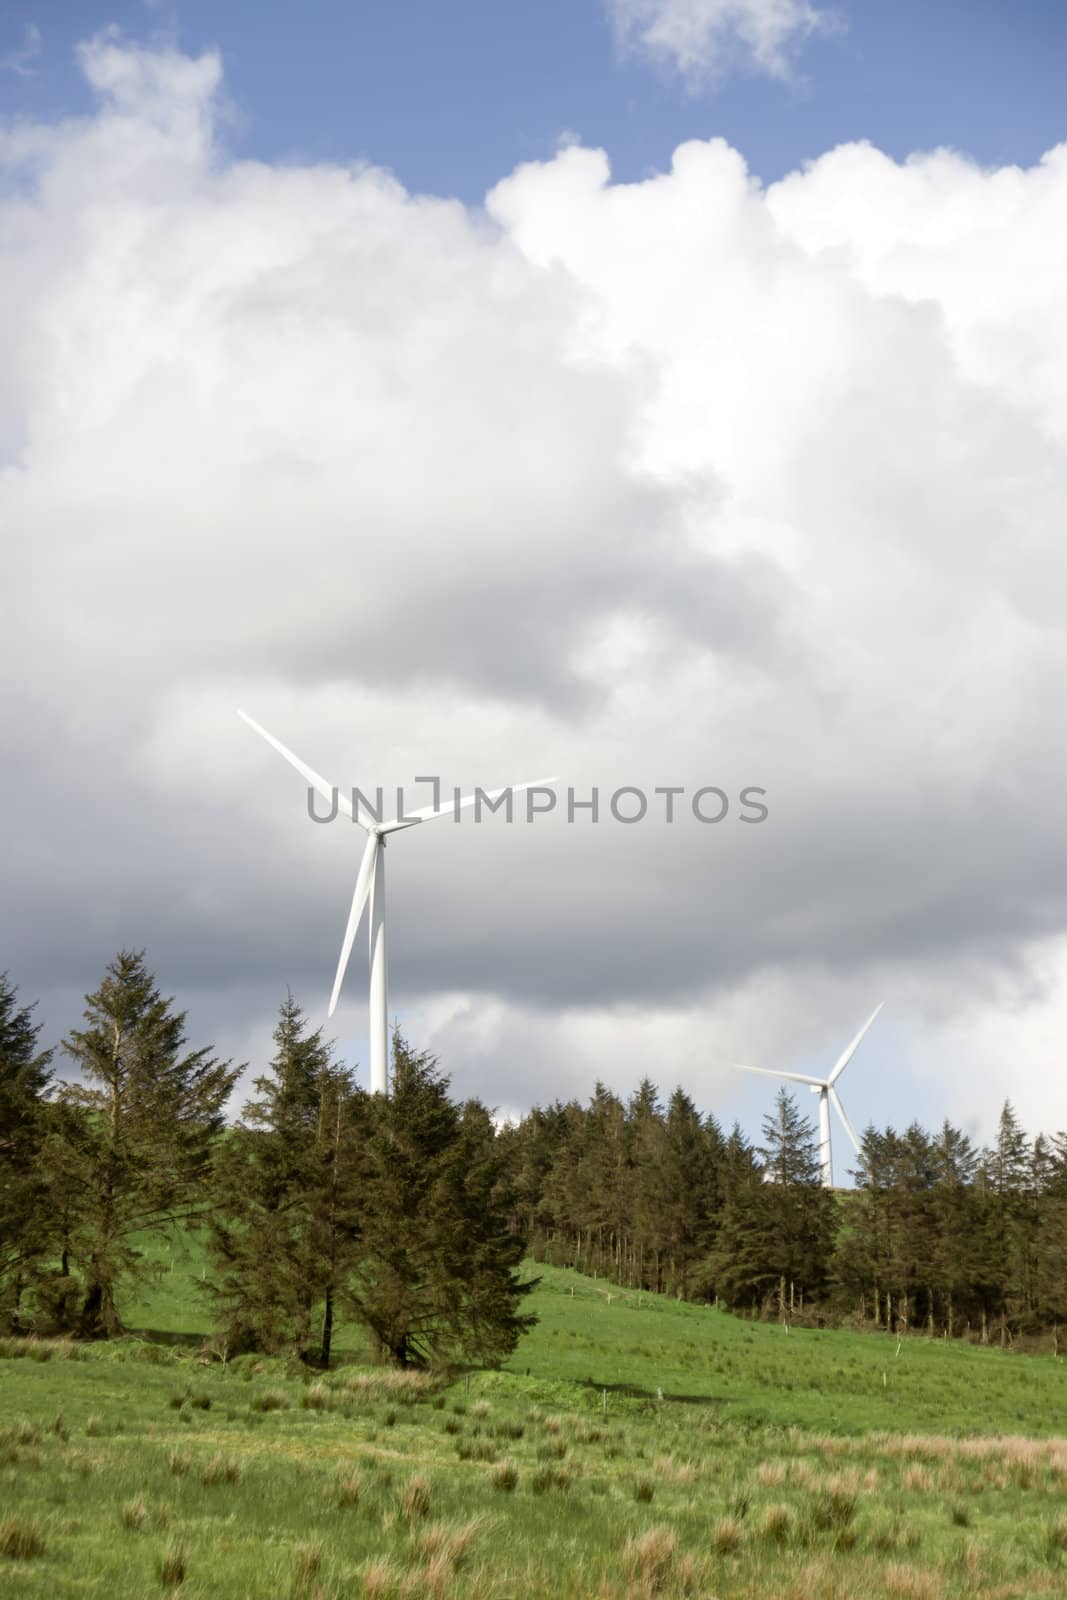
130	1150
284	1223
777	1230
436	1277
24	1080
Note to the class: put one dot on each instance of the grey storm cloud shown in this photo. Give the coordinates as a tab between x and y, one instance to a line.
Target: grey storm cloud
679	482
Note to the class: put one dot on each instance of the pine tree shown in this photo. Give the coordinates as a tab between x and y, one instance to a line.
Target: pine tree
736	1266
953	1222
436	1277
135	1156
793	1218
25	1078
646	1142
1007	1240
689	1190
285	1220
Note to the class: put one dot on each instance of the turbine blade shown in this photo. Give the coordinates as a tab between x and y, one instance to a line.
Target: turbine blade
428	813
846	1056
359	900
315	779
839	1108
794	1077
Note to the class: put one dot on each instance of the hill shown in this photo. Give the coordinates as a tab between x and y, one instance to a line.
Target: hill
635	1445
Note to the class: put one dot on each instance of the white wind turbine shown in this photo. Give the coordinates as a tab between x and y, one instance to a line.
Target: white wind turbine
824	1088
370	882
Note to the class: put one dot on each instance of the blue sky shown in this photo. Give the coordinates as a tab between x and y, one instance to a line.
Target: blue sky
451	97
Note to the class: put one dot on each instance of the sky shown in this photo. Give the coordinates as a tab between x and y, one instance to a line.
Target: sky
653	392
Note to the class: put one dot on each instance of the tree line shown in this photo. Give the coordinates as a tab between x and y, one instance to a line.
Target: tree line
937	1234
321	1202
409	1216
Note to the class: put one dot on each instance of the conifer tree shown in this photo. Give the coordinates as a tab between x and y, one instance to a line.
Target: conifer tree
134	1156
285	1219
25	1077
436	1277
690	1179
793	1211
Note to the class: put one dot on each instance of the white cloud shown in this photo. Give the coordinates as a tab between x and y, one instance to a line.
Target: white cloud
682	481
702	39
22	62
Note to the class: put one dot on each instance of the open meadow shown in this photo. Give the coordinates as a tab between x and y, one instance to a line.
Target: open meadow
633	1446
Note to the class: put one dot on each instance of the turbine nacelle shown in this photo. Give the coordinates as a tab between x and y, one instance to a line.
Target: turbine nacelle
370	883
825	1089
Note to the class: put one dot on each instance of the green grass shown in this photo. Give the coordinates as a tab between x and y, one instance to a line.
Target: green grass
756	1373
632	1447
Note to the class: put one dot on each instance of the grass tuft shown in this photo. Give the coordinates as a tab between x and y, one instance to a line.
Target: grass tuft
415	1498
20	1540
220	1469
727	1535
778	1524
307	1564
346	1489
649	1558
134	1514
173	1566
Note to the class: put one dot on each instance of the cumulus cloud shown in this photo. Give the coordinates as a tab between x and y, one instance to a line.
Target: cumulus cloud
702	39
685	481
23	60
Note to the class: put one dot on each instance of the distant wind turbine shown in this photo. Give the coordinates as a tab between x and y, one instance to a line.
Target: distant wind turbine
824	1088
370	883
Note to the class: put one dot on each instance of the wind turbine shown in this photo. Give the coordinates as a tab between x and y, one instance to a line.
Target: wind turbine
824	1088
370	882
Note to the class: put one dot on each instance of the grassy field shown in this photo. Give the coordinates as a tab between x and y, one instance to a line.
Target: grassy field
634	1446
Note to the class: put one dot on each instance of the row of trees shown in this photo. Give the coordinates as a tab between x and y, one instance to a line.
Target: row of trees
322	1201
936	1233
410	1215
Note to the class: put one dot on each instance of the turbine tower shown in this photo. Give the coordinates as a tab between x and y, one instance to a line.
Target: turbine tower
824	1088
370	882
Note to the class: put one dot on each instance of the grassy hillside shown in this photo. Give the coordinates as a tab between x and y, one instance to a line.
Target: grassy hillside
593	1336
634	1446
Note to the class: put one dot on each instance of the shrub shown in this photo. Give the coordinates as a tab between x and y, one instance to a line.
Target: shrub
506	1477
